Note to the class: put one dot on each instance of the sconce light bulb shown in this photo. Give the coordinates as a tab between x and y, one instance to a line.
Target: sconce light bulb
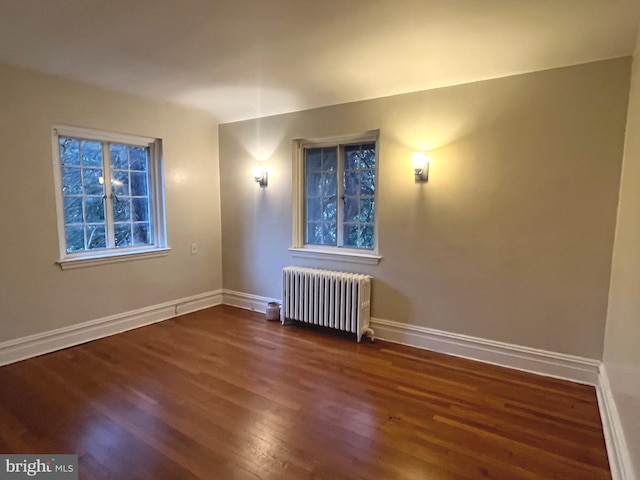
419	160
256	171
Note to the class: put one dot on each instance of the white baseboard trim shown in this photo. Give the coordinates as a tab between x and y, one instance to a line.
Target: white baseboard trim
542	362
247	301
550	364
198	302
33	345
617	449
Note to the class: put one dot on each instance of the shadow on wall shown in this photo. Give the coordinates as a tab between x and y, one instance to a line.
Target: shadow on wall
384	292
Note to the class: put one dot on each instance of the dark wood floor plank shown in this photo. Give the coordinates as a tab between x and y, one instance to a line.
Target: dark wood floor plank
224	394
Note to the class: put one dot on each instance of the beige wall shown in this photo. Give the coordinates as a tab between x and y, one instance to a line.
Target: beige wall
35	295
622	339
512	237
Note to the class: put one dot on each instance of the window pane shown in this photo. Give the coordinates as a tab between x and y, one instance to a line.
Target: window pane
368	182
94	209
119	157
314	184
314	210
327	234
122	209
368	156
321	159
120	183
123	235
329	185
140	210
73	210
96	237
75	239
313	160
321	233
314	233
330	234
350	235
138	184
360	157
138	158
330	159
367	209
351	183
69	151
141	234
91	153
330	209
356	236
92	178
352	157
351	205
71	181
366	239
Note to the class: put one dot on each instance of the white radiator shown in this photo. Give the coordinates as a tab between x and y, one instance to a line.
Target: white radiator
330	299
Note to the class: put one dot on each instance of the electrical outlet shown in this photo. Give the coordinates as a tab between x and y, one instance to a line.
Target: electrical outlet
194	248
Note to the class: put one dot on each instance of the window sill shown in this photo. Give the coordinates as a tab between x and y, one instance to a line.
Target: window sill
116	257
336	255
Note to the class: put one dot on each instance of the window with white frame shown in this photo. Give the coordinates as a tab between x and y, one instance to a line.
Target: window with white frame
109	195
334	211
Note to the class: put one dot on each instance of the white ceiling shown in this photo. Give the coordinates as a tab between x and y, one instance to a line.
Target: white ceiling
241	59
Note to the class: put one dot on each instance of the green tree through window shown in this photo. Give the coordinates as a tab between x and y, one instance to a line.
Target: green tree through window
109	194
339	195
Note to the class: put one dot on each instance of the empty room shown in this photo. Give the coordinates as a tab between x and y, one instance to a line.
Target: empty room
337	240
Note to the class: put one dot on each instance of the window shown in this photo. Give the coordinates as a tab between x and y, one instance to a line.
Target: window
334	209
109	196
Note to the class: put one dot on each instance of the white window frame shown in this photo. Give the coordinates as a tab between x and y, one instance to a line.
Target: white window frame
89	258
329	252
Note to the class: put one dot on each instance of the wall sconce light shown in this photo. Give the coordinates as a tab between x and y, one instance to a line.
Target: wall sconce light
421	163
260	174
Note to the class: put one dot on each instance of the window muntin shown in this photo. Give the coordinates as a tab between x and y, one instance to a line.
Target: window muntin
106	218
339	195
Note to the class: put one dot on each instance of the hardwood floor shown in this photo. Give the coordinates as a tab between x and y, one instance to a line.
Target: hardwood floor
224	394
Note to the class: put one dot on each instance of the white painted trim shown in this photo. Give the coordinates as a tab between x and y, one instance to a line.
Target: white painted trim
198	302
542	362
617	448
247	301
336	254
33	345
112	257
364	137
101	135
